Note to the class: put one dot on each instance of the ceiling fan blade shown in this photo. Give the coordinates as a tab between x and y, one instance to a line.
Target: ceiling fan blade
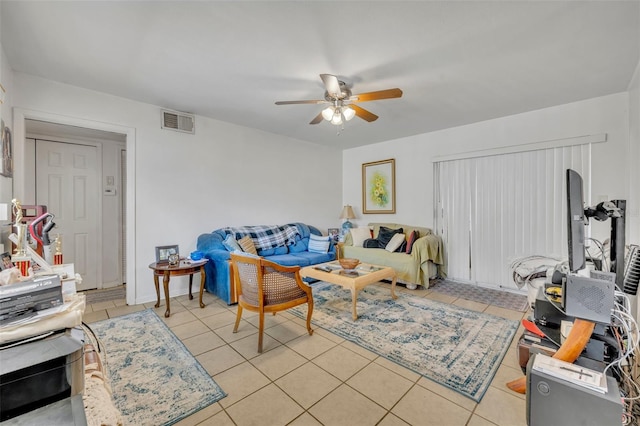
363	113
314	101
374	96
317	119
332	84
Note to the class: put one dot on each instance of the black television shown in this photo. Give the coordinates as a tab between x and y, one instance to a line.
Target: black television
575	221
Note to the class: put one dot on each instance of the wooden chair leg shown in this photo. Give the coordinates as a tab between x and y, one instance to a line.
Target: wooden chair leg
238	316
309	313
260	332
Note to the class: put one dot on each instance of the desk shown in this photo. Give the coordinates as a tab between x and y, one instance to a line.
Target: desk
185	267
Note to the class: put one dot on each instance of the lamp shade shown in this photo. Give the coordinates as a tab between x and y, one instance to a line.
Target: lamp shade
327	113
337	118
348	113
347	213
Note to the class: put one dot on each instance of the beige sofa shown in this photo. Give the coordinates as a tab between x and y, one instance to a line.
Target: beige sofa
425	262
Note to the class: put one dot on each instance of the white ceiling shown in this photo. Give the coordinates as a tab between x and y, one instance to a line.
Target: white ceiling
456	62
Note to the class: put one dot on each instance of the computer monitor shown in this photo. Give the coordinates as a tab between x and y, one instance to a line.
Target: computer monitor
575	221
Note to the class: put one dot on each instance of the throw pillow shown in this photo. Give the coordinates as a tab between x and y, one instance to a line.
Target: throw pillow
395	242
412	239
385	234
231	244
318	244
370	243
358	235
300	245
246	243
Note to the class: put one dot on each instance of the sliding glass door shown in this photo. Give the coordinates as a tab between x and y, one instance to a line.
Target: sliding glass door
494	209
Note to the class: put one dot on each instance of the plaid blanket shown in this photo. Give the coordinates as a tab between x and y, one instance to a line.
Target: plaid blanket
266	237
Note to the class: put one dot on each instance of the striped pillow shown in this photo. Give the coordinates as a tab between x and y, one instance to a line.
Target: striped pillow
247	245
318	244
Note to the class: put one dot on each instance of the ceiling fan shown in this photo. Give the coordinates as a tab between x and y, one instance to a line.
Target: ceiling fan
342	103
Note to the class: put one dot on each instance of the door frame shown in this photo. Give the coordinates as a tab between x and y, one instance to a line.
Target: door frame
20	179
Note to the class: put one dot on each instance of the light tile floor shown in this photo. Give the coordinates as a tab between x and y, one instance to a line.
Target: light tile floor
320	379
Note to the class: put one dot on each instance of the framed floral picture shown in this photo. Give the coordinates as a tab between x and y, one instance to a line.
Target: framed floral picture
379	187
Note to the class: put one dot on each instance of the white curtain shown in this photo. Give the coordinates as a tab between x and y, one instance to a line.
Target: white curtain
491	210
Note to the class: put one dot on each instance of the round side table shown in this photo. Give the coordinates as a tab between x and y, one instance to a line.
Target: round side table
185	267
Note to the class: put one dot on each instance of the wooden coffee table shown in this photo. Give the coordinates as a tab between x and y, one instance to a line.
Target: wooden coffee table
364	275
166	271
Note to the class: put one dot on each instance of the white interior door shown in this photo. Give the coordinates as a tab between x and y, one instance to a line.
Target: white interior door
66	182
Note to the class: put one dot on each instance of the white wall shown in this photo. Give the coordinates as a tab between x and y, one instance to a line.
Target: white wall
6	78
186	184
111	209
414	155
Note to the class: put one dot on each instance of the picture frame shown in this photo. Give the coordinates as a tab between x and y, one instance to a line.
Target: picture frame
379	187
5	261
6	163
163	253
334	234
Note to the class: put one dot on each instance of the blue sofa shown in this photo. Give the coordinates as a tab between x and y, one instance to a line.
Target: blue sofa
219	278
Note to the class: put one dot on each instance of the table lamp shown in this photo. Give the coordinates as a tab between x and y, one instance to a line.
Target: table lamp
347	213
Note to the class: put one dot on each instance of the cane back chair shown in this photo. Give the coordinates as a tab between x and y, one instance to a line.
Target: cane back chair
265	286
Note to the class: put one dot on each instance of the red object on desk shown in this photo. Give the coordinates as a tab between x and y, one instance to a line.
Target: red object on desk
530	326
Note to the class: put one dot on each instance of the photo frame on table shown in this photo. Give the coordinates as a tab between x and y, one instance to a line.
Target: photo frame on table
334	234
379	187
5	261
163	253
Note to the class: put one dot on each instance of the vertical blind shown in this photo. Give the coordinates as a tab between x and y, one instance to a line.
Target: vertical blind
492	210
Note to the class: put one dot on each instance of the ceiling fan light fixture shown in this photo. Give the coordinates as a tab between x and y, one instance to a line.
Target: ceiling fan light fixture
342	103
337	118
328	113
348	113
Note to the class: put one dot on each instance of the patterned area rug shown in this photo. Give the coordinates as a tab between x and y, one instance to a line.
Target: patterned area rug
488	296
154	378
456	347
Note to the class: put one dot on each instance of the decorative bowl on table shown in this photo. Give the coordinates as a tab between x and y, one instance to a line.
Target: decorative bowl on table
348	263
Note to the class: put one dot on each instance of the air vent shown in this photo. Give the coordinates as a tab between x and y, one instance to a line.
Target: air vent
178	121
